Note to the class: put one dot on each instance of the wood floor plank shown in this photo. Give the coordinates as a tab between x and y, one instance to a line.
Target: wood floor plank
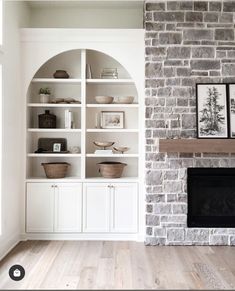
119	265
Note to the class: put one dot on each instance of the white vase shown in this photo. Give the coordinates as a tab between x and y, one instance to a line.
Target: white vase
44	98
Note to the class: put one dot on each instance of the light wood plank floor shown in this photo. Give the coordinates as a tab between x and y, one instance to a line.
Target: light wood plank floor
119	265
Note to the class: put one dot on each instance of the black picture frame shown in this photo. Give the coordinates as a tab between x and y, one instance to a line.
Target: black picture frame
231	94
205	129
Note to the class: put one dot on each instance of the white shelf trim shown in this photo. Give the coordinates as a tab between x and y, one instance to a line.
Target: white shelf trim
53	130
112	130
115	105
53	105
113	156
52	80
109	81
32	155
78	179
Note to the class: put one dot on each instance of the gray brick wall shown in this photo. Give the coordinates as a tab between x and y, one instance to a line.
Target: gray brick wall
187	42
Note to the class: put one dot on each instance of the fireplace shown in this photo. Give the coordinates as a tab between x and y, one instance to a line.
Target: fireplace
211	197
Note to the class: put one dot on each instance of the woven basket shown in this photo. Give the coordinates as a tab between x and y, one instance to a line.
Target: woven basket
55	170
111	169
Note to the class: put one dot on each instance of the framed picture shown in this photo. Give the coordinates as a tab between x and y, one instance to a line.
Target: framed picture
112	119
57	147
231	99
212	111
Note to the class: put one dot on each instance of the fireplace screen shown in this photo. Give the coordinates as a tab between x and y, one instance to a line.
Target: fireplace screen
211	197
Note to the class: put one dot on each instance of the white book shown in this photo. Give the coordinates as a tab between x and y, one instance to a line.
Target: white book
66	119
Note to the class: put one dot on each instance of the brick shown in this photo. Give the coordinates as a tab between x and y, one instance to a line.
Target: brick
155	198
224	34
229	6
211	17
197	235
194	16
179	5
183	72
228	69
162	208
160	232
153	178
200	5
155	6
178	52
149	230
155	241
215	6
155	51
153	26
182	92
219	240
203	52
226	18
153	70
172	187
149	208
175	234
168	16
202	34
180	208
152	220
205	64
170	38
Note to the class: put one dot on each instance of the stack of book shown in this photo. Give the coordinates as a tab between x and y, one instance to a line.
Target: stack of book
68	119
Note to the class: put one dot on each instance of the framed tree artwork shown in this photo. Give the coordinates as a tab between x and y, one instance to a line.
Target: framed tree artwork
231	98
212	111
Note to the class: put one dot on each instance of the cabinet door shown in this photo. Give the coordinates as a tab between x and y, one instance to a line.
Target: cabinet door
40	207
68	207
96	207
124	207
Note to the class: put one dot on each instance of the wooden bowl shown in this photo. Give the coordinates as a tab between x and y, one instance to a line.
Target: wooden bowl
121	149
111	169
104	99
103	144
125	99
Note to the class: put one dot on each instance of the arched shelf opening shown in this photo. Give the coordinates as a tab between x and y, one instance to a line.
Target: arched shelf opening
82	87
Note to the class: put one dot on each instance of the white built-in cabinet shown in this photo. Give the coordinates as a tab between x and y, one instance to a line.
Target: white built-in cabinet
54	207
106	207
83	202
110	207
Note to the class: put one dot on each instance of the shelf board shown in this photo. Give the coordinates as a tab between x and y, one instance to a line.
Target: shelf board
44	179
113	156
196	145
113	130
110	81
32	155
58	81
78	179
53	130
53	105
115	105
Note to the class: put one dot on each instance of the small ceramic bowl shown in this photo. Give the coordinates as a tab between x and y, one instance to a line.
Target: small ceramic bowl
125	99
121	149
104	144
104	99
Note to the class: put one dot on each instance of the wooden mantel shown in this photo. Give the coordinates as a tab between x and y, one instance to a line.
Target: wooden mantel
196	145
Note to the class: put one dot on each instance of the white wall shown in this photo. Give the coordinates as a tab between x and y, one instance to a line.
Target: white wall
16	15
96	16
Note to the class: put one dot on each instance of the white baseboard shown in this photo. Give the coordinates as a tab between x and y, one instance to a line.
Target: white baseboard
8	244
81	236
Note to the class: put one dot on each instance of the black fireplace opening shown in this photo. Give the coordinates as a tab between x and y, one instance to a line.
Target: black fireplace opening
211	197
